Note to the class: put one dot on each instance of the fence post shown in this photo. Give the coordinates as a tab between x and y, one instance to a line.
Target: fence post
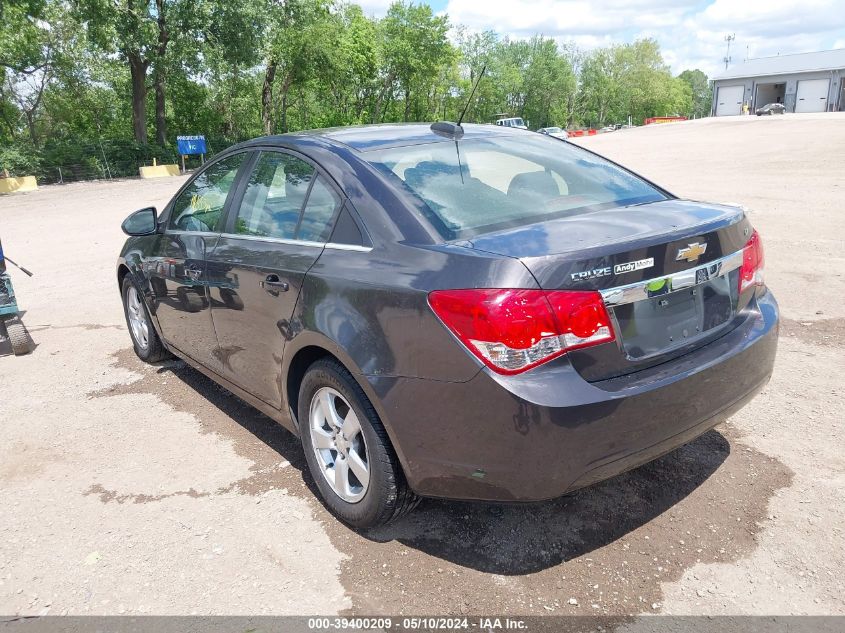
105	160
61	180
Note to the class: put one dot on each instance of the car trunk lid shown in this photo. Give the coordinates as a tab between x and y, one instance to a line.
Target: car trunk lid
668	272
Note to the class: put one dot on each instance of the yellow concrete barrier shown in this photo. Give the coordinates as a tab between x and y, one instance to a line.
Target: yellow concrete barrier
12	185
159	171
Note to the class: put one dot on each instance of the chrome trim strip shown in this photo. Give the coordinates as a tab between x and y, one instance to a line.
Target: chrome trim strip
684	279
275	240
282	240
349	247
197	233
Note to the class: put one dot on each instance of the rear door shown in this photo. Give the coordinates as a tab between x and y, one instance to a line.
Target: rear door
274	232
177	271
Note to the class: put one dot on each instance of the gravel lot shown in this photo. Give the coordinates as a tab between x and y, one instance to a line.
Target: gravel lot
136	489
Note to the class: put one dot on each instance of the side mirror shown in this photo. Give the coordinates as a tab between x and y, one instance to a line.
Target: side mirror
142	222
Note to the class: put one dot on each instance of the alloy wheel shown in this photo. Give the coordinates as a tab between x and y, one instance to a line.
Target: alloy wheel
339	444
137	318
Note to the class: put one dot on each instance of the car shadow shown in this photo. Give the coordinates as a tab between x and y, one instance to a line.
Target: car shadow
507	539
264	428
511	539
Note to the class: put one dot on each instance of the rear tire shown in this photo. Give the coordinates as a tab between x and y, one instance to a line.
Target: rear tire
19	337
385	495
148	346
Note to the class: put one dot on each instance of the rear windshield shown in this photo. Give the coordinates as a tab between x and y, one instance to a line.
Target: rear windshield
477	186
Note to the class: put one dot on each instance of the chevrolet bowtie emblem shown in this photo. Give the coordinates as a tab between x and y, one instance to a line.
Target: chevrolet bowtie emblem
692	252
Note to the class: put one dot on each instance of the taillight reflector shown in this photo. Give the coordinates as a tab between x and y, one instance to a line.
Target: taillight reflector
751	271
513	330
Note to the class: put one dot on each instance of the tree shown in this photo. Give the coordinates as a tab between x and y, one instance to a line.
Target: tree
141	33
294	47
21	35
702	93
630	80
549	82
351	75
414	49
75	73
49	50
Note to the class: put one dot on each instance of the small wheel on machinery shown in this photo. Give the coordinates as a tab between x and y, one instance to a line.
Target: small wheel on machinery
19	337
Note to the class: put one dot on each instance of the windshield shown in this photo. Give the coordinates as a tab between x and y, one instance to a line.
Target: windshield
502	182
552	130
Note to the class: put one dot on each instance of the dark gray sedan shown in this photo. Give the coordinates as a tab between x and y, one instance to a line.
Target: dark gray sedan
469	312
771	108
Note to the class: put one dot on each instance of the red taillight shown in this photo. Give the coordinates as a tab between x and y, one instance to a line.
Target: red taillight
751	271
512	331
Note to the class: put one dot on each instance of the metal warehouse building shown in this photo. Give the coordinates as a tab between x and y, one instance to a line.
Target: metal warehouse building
806	82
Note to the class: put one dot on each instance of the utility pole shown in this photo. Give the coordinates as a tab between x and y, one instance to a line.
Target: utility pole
729	38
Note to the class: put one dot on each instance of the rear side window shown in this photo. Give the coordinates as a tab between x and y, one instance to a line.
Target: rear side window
286	199
481	185
316	223
199	206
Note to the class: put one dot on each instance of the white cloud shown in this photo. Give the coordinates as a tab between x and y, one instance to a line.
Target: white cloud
691	32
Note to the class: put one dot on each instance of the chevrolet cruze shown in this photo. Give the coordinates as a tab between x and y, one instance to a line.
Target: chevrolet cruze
472	312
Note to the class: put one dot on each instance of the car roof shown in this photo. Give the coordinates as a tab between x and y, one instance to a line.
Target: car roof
365	138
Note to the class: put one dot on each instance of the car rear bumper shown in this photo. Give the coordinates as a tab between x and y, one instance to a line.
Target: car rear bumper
546	432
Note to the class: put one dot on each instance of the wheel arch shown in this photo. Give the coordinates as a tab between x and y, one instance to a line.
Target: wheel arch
312	347
122	271
127	268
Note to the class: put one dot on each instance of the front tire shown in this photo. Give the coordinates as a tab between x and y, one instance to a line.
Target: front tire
148	346
348	451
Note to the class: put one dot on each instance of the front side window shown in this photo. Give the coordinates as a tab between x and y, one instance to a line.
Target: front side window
286	199
199	206
481	185
274	197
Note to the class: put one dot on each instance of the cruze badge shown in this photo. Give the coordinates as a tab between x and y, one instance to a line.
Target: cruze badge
618	269
691	252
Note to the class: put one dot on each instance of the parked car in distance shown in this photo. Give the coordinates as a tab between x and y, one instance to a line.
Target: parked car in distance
557	132
515	122
461	312
771	108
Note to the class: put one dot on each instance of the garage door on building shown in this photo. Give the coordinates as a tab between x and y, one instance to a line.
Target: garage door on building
729	100
812	95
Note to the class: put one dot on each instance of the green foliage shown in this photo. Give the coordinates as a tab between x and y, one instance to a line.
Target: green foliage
630	80
20	34
19	161
83	81
700	91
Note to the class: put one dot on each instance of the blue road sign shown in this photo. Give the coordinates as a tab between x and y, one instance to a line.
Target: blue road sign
190	145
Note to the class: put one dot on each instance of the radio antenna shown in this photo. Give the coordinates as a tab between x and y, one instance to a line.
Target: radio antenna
472	93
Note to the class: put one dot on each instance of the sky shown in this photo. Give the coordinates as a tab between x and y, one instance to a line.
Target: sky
691	33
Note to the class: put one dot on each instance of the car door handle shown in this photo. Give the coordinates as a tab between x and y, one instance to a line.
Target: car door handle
273	284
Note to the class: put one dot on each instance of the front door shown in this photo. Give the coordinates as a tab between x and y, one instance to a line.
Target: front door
177	272
271	239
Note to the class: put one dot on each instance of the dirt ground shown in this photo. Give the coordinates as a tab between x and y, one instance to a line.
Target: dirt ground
134	489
